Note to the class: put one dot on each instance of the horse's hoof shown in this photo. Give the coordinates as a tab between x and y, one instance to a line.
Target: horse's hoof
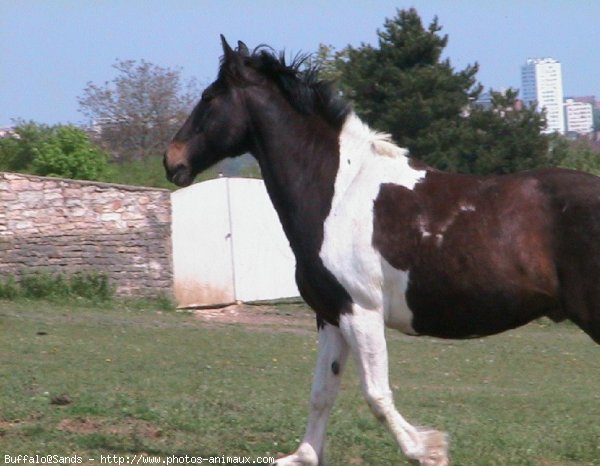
436	447
299	458
291	461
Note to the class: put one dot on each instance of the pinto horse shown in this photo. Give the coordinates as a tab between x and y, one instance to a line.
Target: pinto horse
381	239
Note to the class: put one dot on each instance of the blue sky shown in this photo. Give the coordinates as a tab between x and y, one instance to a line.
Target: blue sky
50	49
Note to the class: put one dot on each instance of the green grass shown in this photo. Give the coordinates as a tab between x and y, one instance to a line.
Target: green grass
165	383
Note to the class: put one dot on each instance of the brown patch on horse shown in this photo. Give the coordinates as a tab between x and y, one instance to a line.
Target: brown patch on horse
479	251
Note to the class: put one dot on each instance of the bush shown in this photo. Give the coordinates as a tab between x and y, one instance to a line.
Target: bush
9	289
68	153
93	286
43	285
61	150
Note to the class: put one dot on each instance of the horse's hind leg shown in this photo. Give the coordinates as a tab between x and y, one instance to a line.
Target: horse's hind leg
580	290
333	352
583	307
364	332
578	253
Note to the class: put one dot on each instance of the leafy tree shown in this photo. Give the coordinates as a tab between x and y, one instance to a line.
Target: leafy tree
578	155
64	151
17	152
137	113
329	62
68	153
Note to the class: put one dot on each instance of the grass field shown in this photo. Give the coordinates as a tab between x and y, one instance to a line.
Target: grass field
113	380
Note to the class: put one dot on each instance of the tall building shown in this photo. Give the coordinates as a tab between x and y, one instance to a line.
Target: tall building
579	116
541	83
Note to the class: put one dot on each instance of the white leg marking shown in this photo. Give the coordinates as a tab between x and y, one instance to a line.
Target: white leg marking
364	332
333	353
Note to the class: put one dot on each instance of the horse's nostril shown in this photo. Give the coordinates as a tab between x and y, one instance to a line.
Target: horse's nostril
179	167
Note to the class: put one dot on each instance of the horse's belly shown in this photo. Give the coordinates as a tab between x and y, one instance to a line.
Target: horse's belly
477	312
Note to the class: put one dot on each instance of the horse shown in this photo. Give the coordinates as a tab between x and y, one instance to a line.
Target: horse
380	239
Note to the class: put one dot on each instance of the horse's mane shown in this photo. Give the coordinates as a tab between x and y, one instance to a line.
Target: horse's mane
299	82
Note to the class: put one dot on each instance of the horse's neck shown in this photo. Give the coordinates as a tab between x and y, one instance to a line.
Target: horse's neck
308	166
299	158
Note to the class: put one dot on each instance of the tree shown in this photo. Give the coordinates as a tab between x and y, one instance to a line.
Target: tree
403	87
17	152
577	155
504	138
328	62
137	113
64	151
68	153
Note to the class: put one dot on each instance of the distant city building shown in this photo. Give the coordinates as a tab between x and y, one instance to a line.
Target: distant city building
484	100
588	99
9	132
579	117
541	83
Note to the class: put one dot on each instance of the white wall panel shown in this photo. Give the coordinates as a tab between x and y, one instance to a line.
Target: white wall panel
264	263
228	244
202	270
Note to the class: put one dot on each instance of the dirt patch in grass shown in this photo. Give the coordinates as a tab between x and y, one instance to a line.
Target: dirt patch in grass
6	425
87	425
294	318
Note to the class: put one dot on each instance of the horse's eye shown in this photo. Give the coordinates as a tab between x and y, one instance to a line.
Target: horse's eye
206	97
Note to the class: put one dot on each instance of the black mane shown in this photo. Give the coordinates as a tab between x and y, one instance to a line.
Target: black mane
299	81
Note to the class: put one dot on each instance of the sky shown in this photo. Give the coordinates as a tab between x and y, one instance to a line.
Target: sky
50	49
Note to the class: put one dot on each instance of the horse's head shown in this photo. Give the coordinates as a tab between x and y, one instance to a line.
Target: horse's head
254	93
218	127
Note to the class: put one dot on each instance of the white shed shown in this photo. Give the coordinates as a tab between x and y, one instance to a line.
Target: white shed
228	245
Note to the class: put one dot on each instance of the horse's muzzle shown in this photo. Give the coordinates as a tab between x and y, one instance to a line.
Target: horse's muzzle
180	175
176	170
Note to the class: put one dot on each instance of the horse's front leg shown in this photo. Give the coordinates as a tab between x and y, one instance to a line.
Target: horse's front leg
333	352
364	332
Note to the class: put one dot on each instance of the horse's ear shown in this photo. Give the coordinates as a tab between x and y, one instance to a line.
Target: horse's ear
243	49
228	52
232	60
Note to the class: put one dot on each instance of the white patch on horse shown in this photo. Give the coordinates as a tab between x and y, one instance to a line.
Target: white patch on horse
363	329
423	227
333	350
347	249
438	232
396	313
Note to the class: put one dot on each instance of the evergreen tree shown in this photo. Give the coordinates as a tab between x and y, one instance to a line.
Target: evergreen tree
503	138
405	88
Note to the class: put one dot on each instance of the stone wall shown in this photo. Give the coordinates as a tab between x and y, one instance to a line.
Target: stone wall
59	225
